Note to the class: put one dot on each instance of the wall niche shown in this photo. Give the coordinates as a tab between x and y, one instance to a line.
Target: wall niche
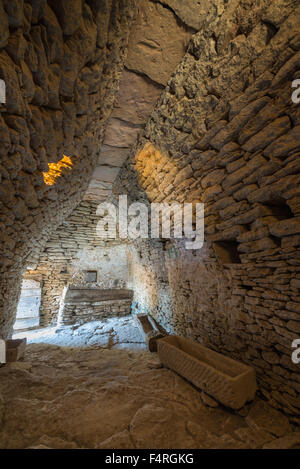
227	252
91	276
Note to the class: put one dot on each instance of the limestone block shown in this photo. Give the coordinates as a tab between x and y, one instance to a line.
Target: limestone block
77	295
238	123
71	67
120	134
14	10
257	123
294	326
106	173
229	234
253	438
226	380
38	9
157	43
101	185
270	133
290	441
113	156
211	193
196	14
69	14
263	417
260	245
17	46
28	83
286	227
54	46
4	31
119	440
284	145
287	69
136	98
150	428
184	174
96	194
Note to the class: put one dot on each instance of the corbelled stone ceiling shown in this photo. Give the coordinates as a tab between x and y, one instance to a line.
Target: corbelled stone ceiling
162	101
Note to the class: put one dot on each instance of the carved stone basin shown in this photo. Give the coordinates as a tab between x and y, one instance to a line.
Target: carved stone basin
230	382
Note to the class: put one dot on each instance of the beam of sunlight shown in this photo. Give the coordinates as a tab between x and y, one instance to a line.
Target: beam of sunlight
56	170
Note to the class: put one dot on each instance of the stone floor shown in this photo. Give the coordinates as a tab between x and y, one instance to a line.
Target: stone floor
112	333
102	397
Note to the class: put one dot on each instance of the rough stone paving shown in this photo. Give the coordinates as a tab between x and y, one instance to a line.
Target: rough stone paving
112	333
162	100
101	397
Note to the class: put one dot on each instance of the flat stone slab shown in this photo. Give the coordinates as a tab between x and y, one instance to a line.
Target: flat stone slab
136	98
121	134
228	381
290	441
106	173
157	43
113	156
95	295
265	418
195	14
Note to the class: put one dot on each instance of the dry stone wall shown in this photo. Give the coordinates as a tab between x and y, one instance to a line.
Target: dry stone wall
86	312
226	132
73	249
61	63
157	42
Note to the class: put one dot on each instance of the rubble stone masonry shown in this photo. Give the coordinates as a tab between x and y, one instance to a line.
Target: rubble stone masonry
226	132
74	246
61	63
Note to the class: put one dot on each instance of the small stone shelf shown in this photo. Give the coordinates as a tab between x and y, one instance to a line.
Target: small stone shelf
94	295
149	331
230	382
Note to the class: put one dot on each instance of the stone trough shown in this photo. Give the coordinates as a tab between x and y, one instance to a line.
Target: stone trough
230	382
149	330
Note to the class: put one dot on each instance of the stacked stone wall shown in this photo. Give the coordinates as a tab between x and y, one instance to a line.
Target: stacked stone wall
86	312
74	248
226	133
61	63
